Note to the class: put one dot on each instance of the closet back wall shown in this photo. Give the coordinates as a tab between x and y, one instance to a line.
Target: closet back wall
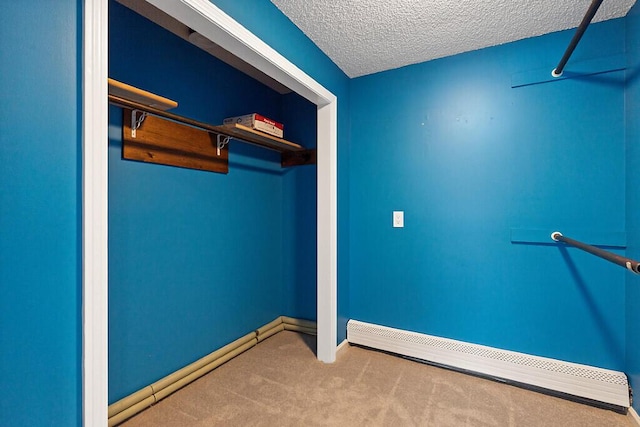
468	158
196	258
299	252
266	21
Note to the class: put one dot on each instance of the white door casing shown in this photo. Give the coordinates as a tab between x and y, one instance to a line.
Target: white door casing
211	22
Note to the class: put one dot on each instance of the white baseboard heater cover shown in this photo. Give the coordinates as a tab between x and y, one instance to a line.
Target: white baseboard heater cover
581	381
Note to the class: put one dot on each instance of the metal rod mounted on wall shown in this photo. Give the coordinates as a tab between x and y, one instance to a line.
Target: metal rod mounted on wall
628	263
588	17
244	135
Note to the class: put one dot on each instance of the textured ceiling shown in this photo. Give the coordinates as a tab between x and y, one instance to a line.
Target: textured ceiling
368	36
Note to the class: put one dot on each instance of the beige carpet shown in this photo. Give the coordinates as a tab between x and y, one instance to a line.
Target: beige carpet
280	383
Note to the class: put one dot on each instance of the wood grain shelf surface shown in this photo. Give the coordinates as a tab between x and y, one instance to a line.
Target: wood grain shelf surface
235	131
175	140
169	143
247	134
144	97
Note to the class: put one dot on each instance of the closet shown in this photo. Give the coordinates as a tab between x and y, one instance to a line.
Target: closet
198	259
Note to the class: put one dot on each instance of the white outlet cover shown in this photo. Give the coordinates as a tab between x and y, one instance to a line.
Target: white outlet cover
398	219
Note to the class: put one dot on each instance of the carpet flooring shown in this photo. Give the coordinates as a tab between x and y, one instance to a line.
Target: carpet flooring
279	382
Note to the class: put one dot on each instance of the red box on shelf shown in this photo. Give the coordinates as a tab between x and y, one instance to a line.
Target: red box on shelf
258	122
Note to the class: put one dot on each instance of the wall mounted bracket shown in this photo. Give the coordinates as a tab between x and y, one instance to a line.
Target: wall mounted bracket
136	122
223	140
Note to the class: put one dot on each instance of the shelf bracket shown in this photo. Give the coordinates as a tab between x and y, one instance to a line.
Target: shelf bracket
223	140
136	122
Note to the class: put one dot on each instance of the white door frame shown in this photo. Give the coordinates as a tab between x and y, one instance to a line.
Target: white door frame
211	22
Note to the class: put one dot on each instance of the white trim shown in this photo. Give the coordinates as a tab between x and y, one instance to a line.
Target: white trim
634	416
344	344
327	232
211	22
95	214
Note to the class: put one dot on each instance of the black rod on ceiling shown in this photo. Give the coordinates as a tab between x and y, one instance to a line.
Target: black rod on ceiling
628	263
588	17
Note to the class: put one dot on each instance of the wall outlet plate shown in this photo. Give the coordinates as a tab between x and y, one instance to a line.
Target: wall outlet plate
398	219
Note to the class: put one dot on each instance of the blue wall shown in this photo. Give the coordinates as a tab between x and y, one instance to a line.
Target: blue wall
632	102
263	263
263	19
207	257
478	167
468	158
40	206
299	215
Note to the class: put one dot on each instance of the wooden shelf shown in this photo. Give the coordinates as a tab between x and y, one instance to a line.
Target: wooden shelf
123	90
167	143
291	154
247	134
235	131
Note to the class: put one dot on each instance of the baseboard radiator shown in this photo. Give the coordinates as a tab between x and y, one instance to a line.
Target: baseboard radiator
140	400
587	384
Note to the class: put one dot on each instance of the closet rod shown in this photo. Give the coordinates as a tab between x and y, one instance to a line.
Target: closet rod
588	17
629	264
122	102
